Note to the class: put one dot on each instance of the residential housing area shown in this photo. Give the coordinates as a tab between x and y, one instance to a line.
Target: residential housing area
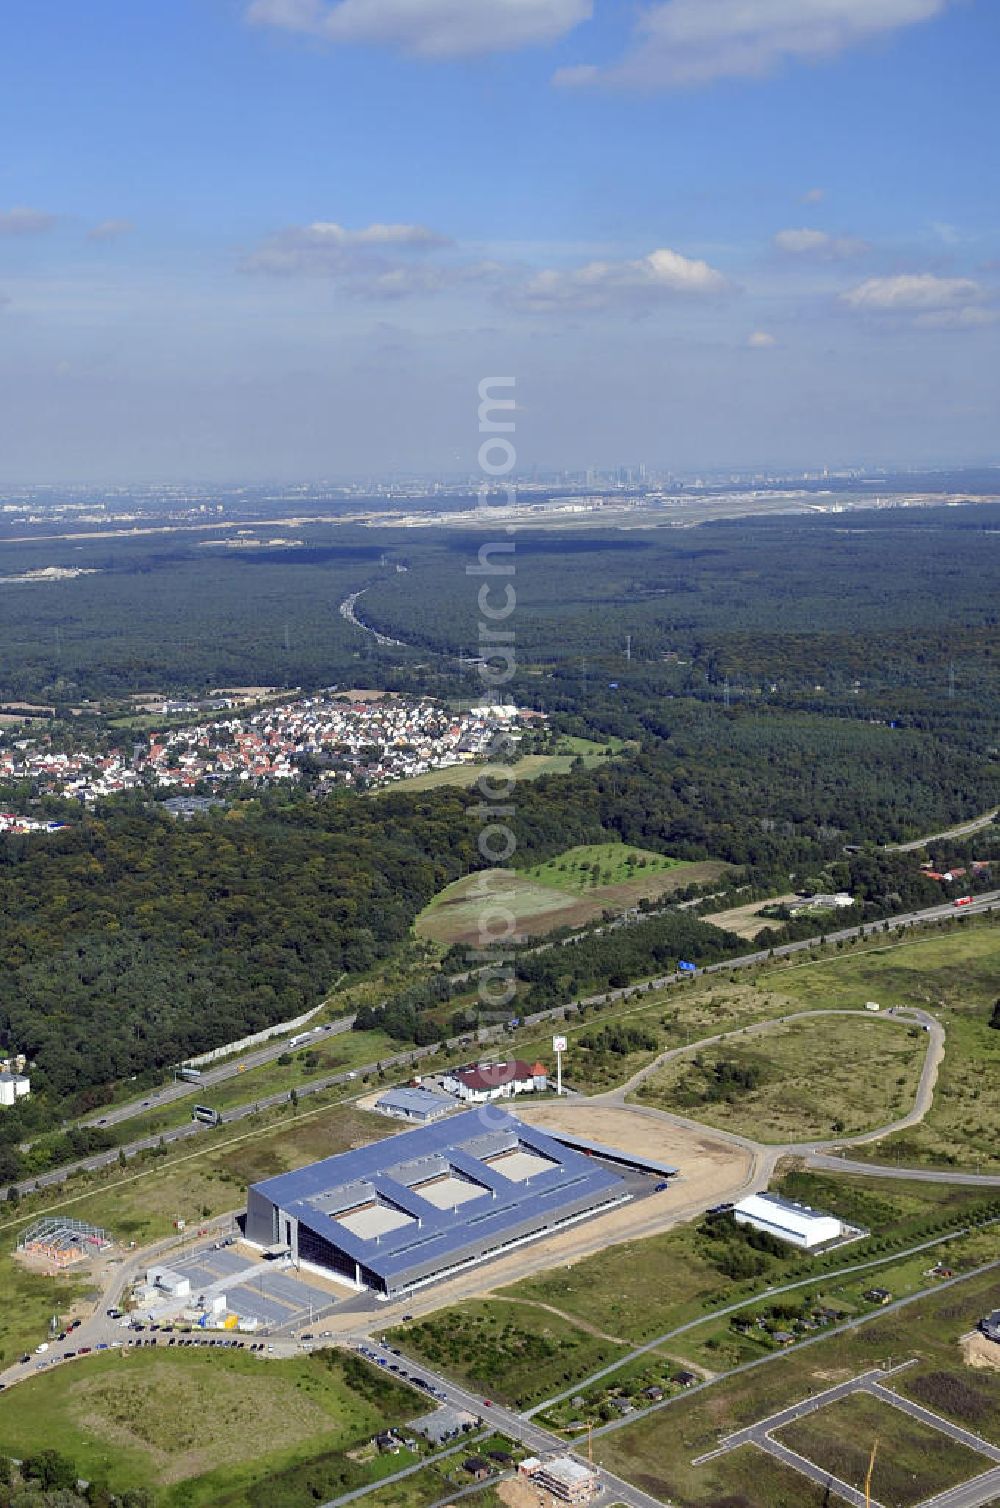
358	739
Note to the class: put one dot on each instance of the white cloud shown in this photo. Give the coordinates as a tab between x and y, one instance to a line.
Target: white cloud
760	340
662	274
680	43
924	300
372	262
913	292
22	221
329	249
428	28
819	243
972	317
949	234
109	230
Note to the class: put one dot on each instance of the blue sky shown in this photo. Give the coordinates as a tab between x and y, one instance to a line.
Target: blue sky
287	238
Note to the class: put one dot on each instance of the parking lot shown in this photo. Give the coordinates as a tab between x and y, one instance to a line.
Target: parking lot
263	1291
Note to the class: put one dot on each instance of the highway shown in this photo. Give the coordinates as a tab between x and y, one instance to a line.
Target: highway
158	1098
155	1099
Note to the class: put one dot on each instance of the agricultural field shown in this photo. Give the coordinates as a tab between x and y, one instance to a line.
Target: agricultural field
792	1081
956	973
657	1452
573	889
912	1462
202	1429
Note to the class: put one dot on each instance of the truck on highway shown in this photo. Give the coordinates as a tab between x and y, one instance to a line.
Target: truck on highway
963	900
684	967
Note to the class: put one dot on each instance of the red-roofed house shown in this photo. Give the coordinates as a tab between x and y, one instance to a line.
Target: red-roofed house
496	1081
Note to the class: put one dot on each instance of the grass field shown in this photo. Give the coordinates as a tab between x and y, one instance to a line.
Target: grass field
431	1486
793	1081
197	1426
656	1452
673	1278
719	1344
957	972
528	767
588	866
913	1461
514	1352
573	889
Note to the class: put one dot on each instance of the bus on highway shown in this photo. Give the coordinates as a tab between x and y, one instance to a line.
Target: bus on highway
206	1115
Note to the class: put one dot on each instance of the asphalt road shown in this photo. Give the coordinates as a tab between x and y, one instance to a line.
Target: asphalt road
762	1434
441	1390
156	1099
240	1062
962	830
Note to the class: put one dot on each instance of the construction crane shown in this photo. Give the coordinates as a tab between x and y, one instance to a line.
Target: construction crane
868	1476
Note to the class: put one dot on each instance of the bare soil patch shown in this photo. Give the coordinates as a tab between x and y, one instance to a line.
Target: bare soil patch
977	1351
746	921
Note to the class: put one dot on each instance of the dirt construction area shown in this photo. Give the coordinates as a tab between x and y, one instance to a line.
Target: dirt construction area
977	1351
746	921
706	1162
521	1493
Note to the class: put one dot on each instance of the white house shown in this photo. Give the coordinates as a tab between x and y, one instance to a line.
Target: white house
496	1081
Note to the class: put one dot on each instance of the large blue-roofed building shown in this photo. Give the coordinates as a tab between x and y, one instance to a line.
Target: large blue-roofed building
405	1211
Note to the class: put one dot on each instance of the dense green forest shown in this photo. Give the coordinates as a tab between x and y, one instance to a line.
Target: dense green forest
797	687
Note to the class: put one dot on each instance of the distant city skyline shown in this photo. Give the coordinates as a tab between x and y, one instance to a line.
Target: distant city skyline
287	238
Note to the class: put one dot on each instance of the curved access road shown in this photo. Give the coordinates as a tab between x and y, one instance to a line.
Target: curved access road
815	1153
962	830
